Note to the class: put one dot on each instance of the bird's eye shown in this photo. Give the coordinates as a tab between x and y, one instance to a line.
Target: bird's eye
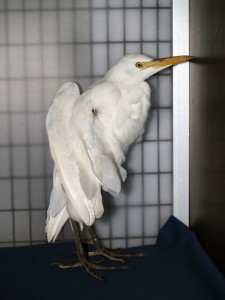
139	65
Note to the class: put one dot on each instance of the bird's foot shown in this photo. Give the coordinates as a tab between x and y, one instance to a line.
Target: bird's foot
114	254
109	254
89	266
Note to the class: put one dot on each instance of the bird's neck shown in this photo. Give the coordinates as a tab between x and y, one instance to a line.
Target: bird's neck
125	84
118	78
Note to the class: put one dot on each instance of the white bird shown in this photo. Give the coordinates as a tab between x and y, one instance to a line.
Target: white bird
89	136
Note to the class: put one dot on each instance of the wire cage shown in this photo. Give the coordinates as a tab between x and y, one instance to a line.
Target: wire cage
45	43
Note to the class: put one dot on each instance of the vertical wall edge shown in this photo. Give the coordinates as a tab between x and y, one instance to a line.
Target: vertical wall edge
181	112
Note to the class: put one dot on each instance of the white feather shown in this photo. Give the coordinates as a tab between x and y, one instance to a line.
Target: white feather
89	136
73	168
58	197
57	214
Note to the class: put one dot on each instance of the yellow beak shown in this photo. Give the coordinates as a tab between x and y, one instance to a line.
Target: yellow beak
167	61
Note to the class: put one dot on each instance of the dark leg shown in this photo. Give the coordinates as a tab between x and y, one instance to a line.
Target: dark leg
110	254
100	250
82	258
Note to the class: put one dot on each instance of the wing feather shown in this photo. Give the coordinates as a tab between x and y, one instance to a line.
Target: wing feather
106	171
54	225
71	159
58	197
90	121
57	214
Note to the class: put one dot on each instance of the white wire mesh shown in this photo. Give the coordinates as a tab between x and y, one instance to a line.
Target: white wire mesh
42	45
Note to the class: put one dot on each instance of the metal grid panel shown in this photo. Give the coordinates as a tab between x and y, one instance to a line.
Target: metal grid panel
45	43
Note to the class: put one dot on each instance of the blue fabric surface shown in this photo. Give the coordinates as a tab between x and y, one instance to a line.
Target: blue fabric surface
176	268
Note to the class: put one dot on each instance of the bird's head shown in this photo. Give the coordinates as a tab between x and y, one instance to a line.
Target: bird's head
138	67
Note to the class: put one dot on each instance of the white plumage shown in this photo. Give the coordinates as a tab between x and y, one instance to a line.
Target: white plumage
89	136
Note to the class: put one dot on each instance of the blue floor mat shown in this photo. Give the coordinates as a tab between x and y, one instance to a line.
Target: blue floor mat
176	268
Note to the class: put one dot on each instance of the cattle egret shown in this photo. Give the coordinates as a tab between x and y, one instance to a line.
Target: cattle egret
89	136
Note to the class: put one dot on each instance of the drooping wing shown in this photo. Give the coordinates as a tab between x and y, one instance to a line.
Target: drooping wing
71	160
90	121
118	121
106	170
58	196
57	214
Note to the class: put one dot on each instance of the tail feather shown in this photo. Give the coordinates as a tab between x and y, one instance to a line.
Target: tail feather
54	224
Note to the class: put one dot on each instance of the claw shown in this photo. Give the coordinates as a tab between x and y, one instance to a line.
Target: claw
88	266
69	266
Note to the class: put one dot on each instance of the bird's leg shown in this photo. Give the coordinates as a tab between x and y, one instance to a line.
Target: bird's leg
110	254
82	257
100	250
82	260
